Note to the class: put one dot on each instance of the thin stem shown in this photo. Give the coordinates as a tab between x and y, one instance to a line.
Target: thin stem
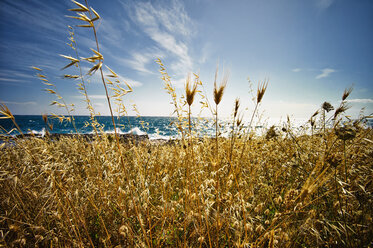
216	128
115	130
232	141
91	109
190	126
15	124
247	133
344	155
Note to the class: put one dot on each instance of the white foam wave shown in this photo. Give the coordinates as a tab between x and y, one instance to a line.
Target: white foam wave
136	131
41	133
117	129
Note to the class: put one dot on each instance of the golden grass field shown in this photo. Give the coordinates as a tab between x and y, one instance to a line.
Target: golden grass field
281	189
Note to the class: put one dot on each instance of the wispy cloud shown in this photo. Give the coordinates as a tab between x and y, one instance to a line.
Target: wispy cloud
179	83
140	60
12	80
97	96
96	78
325	73
296	70
109	31
14	75
37	15
131	82
91	96
99	104
169	28
170	17
205	53
324	4
357	100
20	103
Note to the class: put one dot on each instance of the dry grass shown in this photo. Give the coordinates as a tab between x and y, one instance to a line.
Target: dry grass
75	193
282	189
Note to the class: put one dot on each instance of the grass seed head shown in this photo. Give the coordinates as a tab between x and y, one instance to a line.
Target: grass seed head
346	93
45	118
165	182
262	87
219	90
236	106
4	110
314	114
327	106
239	120
341	109
190	90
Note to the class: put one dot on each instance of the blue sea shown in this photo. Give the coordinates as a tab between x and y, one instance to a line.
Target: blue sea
154	127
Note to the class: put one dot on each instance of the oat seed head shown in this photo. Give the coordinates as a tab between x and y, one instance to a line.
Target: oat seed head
341	109
327	106
262	87
236	106
4	110
219	90
159	187
190	90
346	93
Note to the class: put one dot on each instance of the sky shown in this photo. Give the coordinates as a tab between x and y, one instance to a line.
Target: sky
309	51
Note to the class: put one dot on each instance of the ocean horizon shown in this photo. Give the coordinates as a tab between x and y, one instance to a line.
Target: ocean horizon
156	127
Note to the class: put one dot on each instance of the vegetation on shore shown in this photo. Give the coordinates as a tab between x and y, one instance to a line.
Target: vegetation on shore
288	188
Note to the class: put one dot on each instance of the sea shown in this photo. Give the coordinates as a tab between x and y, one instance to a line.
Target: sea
154	127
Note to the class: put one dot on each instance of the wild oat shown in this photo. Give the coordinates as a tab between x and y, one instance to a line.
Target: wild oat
292	189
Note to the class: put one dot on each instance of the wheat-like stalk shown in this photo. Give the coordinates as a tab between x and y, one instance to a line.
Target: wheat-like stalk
248	190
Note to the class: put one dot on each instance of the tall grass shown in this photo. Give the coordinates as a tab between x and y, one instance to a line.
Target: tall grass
283	189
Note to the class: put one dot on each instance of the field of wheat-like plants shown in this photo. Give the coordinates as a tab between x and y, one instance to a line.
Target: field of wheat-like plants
280	192
291	187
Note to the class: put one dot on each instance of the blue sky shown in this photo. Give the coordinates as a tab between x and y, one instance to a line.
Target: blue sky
309	50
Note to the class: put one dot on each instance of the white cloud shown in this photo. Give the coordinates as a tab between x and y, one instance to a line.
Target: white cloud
205	53
324	4
20	103
39	16
179	83
131	82
14	74
96	77
360	100
92	96
140	60
11	80
179	49
99	104
97	96
109	32
325	73
296	69
169	17
169	28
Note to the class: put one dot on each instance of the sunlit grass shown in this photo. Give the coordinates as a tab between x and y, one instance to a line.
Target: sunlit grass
287	188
